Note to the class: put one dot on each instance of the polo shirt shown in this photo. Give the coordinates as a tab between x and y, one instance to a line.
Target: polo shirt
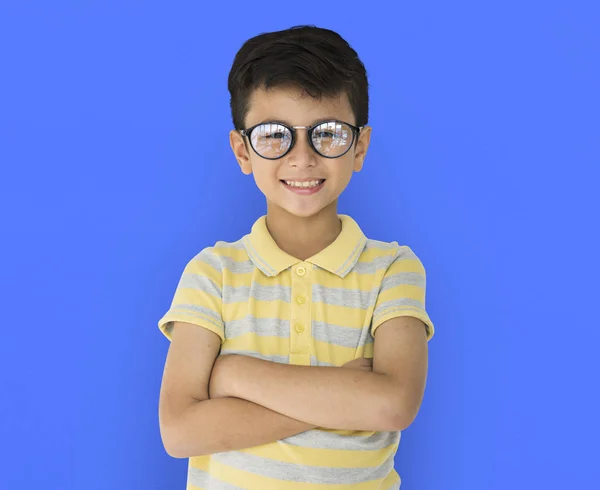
322	311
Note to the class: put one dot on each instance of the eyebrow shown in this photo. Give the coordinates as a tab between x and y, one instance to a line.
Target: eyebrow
315	121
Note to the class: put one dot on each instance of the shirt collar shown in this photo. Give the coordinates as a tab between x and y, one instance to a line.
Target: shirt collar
338	258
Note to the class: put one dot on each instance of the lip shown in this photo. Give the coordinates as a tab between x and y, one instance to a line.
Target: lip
302	191
307	179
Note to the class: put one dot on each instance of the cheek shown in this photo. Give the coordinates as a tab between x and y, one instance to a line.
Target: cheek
341	174
265	176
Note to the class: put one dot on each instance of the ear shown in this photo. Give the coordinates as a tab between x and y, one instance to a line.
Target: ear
361	147
240	150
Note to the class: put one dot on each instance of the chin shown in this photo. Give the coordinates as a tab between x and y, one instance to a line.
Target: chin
304	212
299	209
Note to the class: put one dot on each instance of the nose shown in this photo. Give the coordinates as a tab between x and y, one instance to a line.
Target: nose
301	153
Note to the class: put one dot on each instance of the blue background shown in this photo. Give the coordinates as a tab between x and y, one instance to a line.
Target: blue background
116	169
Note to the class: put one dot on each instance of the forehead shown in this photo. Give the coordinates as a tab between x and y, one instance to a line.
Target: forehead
292	106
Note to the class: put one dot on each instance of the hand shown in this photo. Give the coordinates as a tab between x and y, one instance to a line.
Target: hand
362	363
219	376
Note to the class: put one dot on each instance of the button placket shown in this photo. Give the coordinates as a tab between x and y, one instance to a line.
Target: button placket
300	321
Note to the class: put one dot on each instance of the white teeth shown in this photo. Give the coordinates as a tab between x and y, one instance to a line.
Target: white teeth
312	183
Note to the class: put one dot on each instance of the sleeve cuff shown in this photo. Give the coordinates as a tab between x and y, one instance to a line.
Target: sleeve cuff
398	312
165	324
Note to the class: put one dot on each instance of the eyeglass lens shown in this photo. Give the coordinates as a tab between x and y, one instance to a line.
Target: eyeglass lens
330	139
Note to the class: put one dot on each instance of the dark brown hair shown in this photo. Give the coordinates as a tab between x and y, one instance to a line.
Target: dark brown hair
311	58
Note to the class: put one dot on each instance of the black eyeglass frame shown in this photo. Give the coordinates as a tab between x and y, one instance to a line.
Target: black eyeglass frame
355	134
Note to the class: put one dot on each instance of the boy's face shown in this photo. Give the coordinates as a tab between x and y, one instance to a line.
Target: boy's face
301	162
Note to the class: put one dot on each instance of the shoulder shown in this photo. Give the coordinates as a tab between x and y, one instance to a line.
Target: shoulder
386	253
221	255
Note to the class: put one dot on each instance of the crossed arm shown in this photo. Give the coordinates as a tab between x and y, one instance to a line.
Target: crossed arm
388	398
255	402
331	397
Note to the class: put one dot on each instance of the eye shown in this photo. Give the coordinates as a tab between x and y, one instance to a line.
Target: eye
278	135
325	134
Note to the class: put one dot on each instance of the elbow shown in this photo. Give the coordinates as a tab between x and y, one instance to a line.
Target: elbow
395	422
179	440
172	441
178	446
174	452
176	439
397	416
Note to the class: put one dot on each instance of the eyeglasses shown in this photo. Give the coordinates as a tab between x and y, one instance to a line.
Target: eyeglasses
273	139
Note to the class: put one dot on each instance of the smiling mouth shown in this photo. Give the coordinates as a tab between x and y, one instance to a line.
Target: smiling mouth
303	185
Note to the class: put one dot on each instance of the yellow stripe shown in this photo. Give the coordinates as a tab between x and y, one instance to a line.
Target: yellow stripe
333	458
392	479
244	479
406	265
268	345
260	308
333	354
346	316
197	266
195	297
365	350
280	346
372	253
408	291
236	254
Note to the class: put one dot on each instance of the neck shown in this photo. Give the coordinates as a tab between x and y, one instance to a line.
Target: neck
303	237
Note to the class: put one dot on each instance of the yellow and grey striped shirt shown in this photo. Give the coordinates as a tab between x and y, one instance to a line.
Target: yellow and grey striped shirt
322	311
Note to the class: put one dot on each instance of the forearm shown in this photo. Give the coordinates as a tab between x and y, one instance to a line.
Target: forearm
333	397
227	424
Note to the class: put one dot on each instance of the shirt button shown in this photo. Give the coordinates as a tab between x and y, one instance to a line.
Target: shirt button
301	271
299	328
301	300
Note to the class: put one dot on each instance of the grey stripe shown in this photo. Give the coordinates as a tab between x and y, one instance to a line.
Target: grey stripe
354	298
377	264
302	473
412	278
203	480
377	244
256	291
275	327
321	439
199	282
208	256
235	267
344	296
238	245
337	334
397	304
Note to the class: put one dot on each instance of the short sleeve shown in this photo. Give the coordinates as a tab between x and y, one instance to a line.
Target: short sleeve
198	297
402	291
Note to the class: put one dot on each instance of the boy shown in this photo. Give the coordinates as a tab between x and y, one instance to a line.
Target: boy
299	352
